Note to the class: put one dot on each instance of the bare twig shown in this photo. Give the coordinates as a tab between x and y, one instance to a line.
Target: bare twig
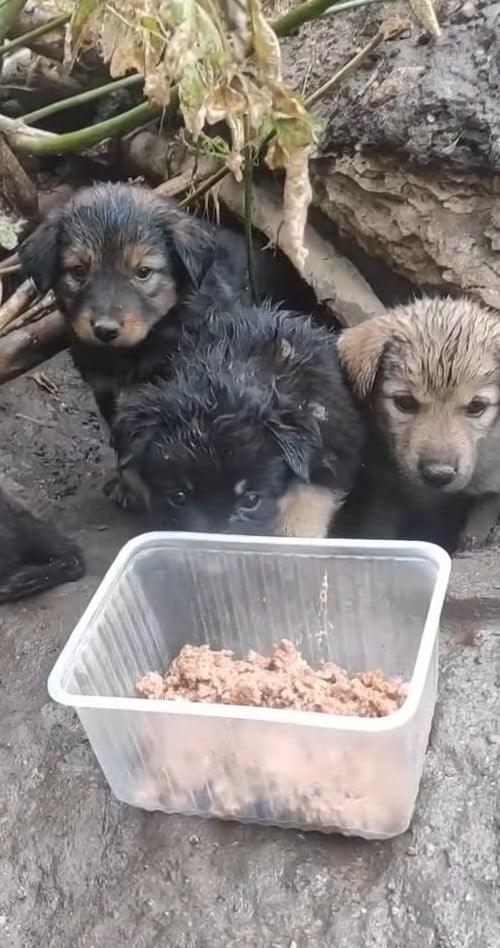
45	383
16	303
13	268
30	316
345	70
176	185
205	186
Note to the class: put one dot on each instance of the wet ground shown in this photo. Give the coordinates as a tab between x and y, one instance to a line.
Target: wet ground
79	869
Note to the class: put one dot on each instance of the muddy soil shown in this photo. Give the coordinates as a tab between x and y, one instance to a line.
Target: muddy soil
79	869
429	101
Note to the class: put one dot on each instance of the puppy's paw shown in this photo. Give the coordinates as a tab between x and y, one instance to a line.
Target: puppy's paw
123	495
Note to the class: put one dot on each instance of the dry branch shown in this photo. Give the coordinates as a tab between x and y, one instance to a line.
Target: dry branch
16	304
25	348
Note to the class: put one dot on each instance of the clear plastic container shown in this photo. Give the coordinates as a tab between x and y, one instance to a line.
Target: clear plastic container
301	769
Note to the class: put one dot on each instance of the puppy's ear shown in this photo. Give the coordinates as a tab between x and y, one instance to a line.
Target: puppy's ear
298	443
38	254
191	240
361	349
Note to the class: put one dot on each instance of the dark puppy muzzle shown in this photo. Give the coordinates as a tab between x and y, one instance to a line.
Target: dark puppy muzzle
105	330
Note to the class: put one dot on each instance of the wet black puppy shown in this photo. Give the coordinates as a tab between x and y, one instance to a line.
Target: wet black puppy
34	555
122	262
255	432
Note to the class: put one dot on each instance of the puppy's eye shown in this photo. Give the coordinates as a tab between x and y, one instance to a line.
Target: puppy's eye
79	272
250	500
177	498
406	404
143	273
476	407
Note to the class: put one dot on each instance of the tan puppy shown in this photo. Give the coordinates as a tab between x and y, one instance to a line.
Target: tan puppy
429	375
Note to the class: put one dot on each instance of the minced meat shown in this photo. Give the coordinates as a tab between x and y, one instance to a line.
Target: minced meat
281	680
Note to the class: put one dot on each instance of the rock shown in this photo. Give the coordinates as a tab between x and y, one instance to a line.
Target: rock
438	228
407	165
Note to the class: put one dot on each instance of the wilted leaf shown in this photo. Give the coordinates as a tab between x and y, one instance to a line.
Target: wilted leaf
294	128
236	19
296	200
425	13
203	47
265	43
82	14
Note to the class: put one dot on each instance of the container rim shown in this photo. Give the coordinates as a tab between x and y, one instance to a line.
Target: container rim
383	549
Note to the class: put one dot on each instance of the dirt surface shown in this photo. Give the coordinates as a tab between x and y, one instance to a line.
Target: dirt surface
430	101
406	167
79	869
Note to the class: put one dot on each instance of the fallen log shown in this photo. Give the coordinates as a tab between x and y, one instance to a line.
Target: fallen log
336	282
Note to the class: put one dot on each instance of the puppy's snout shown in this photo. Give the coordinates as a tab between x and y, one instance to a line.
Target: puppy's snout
436	473
105	330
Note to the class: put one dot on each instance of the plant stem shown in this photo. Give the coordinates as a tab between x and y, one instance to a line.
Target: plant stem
24	138
296	17
34	34
9	10
81	98
248	211
205	186
350	5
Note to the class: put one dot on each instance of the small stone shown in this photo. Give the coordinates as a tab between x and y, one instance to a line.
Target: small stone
411	851
467	11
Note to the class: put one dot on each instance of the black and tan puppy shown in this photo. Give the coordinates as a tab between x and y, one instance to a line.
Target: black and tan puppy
255	432
122	262
428	375
34	555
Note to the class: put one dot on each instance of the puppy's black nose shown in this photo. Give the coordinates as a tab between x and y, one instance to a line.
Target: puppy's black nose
436	474
105	331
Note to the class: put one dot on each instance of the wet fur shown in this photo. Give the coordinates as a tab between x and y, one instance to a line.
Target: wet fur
113	231
34	556
256	405
445	354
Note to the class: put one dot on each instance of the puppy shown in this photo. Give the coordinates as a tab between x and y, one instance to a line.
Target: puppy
428	374
122	262
34	556
254	433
